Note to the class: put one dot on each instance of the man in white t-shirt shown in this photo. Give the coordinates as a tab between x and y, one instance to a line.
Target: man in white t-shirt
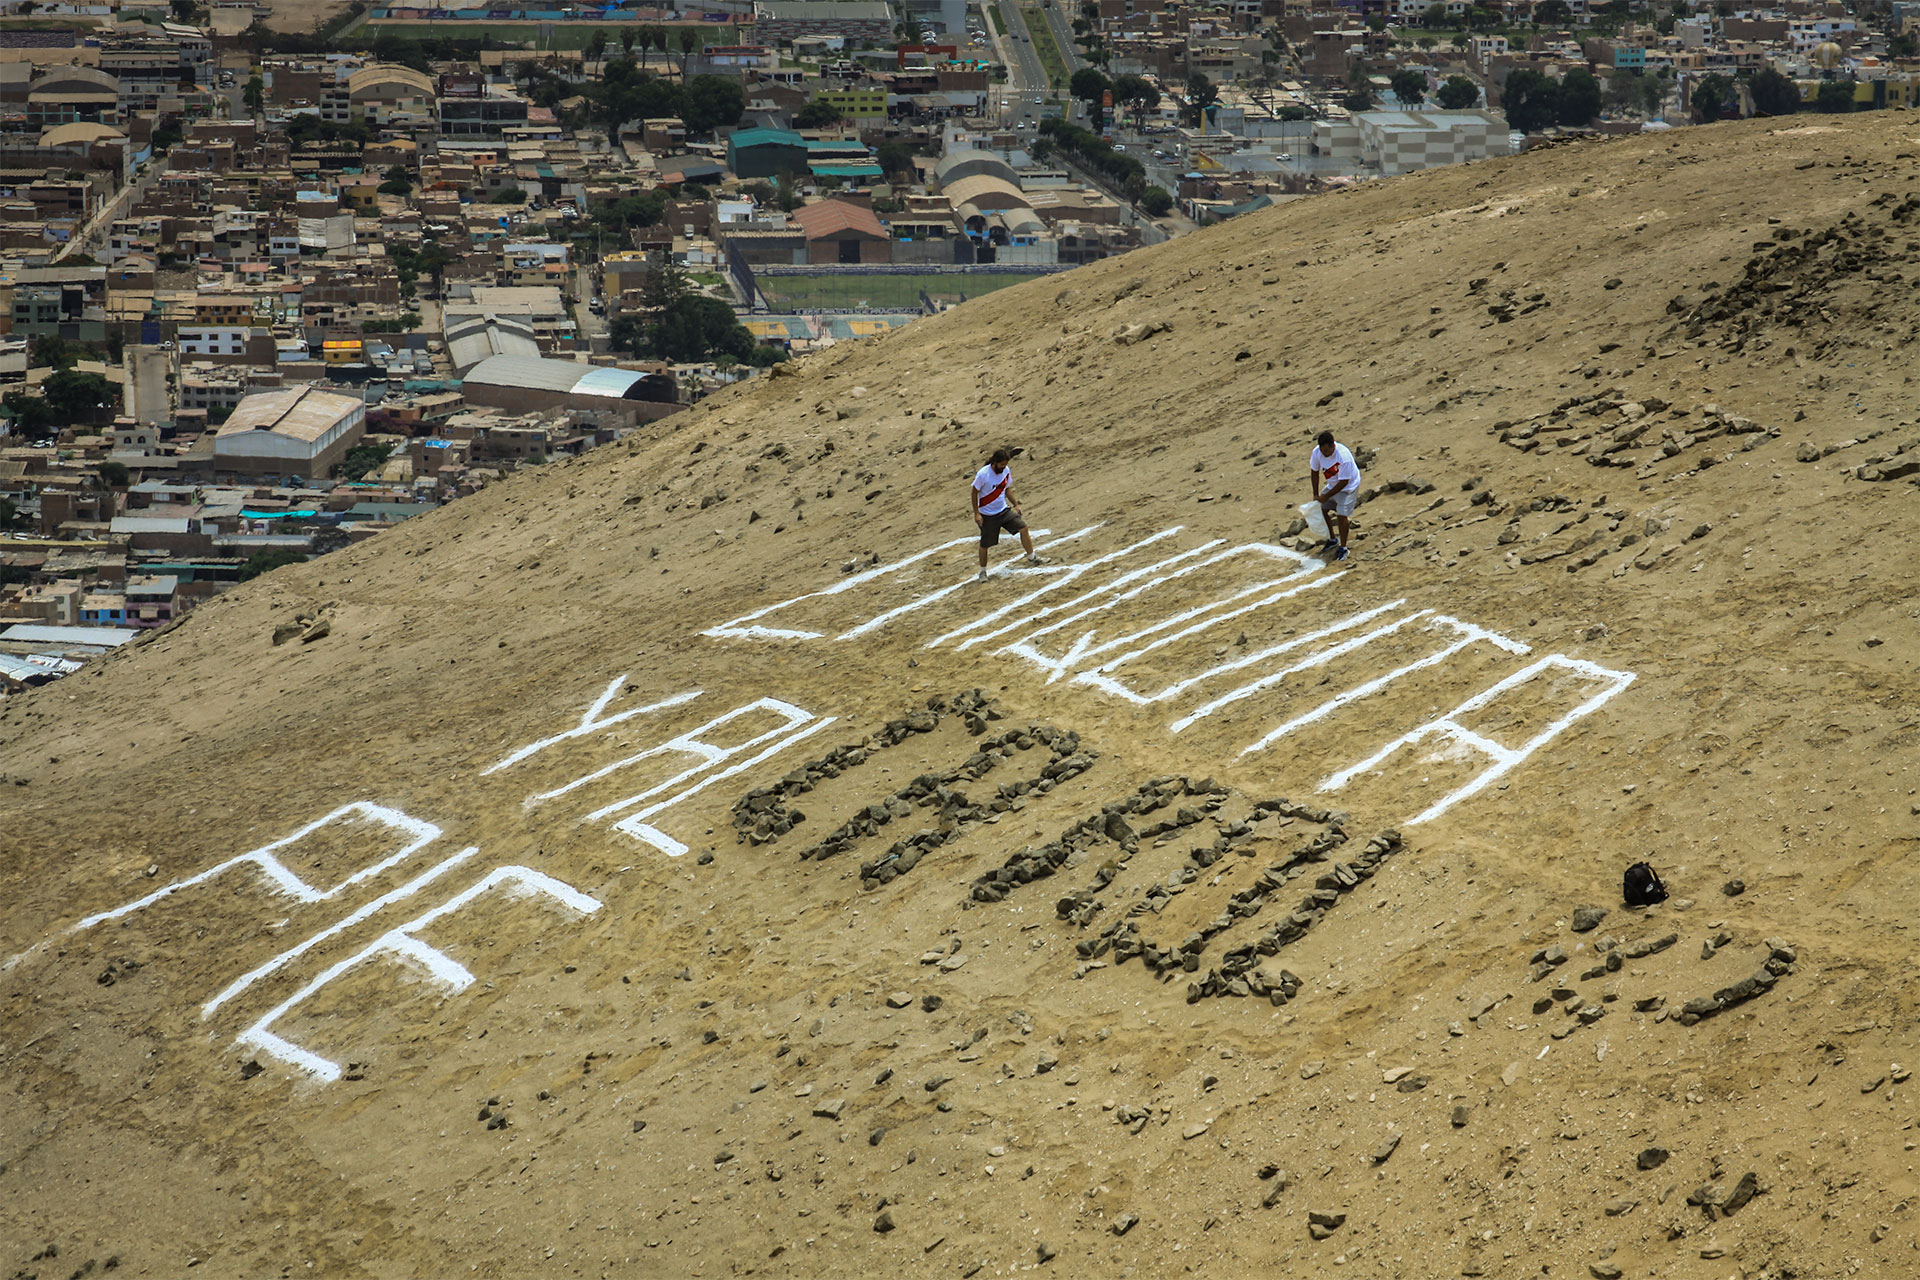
995	508
1336	487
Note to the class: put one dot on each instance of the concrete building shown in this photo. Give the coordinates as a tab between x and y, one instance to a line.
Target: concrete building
848	20
519	384
299	432
840	231
1395	142
766	153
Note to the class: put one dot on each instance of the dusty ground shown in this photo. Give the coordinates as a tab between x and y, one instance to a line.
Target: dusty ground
705	1074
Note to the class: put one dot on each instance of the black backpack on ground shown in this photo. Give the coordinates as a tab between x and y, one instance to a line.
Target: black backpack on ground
1641	886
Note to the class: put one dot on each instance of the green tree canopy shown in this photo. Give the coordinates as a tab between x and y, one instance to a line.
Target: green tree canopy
817	115
76	396
1156	202
1579	100
267	561
1137	92
1201	94
1530	99
1714	98
1458	93
1773	93
713	102
1835	97
896	157
1410	86
1088	84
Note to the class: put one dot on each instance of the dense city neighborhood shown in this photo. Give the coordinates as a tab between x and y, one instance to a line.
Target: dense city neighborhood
271	291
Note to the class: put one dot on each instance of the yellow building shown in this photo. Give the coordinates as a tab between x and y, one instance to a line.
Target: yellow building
343	351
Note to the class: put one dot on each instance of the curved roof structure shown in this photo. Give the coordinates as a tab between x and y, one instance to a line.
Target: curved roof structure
987	192
74	79
563	377
1022	221
369	79
80	131
973	163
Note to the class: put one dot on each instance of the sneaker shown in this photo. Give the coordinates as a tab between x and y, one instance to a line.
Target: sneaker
1033	559
1342	554
981	576
1329	545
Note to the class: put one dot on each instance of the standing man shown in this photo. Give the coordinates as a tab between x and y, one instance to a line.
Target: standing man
1336	487
995	508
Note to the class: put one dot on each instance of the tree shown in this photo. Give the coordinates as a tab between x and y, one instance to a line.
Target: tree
1552	13
1088	84
1579	98
362	458
30	416
1410	86
1359	95
817	115
1156	202
267	561
255	94
1201	94
508	195
1427	43
1530	99
689	42
1458	94
628	35
397	181
896	158
1774	94
713	102
1435	16
1713	98
1835	97
115	475
9	516
77	396
1137	93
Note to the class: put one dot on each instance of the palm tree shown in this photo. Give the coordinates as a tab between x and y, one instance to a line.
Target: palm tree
689	42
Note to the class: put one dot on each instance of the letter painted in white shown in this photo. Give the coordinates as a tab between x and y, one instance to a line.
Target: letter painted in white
287	957
1084	650
1465	634
1504	758
401	945
282	879
591	722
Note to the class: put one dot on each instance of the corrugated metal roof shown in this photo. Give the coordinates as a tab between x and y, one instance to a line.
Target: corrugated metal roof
566	377
612	383
99	637
766	138
302	413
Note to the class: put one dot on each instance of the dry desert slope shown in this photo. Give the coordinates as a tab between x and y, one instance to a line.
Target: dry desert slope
669	863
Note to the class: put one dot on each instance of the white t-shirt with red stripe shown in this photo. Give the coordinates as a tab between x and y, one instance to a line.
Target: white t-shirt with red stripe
990	489
1339	466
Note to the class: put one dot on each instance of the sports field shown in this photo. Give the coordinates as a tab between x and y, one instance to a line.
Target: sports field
830	292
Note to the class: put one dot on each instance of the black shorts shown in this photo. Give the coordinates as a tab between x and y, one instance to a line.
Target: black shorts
991	525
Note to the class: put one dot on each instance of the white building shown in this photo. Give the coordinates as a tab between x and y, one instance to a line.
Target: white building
1394	142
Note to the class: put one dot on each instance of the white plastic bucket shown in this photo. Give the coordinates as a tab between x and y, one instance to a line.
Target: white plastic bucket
1316	519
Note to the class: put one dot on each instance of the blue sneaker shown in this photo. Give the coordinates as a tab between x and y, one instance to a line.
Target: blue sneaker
1342	554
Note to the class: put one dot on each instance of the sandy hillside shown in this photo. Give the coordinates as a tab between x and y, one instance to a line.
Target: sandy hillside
1183	904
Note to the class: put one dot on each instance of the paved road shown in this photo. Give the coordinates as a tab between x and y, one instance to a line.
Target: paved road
1026	78
149	399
